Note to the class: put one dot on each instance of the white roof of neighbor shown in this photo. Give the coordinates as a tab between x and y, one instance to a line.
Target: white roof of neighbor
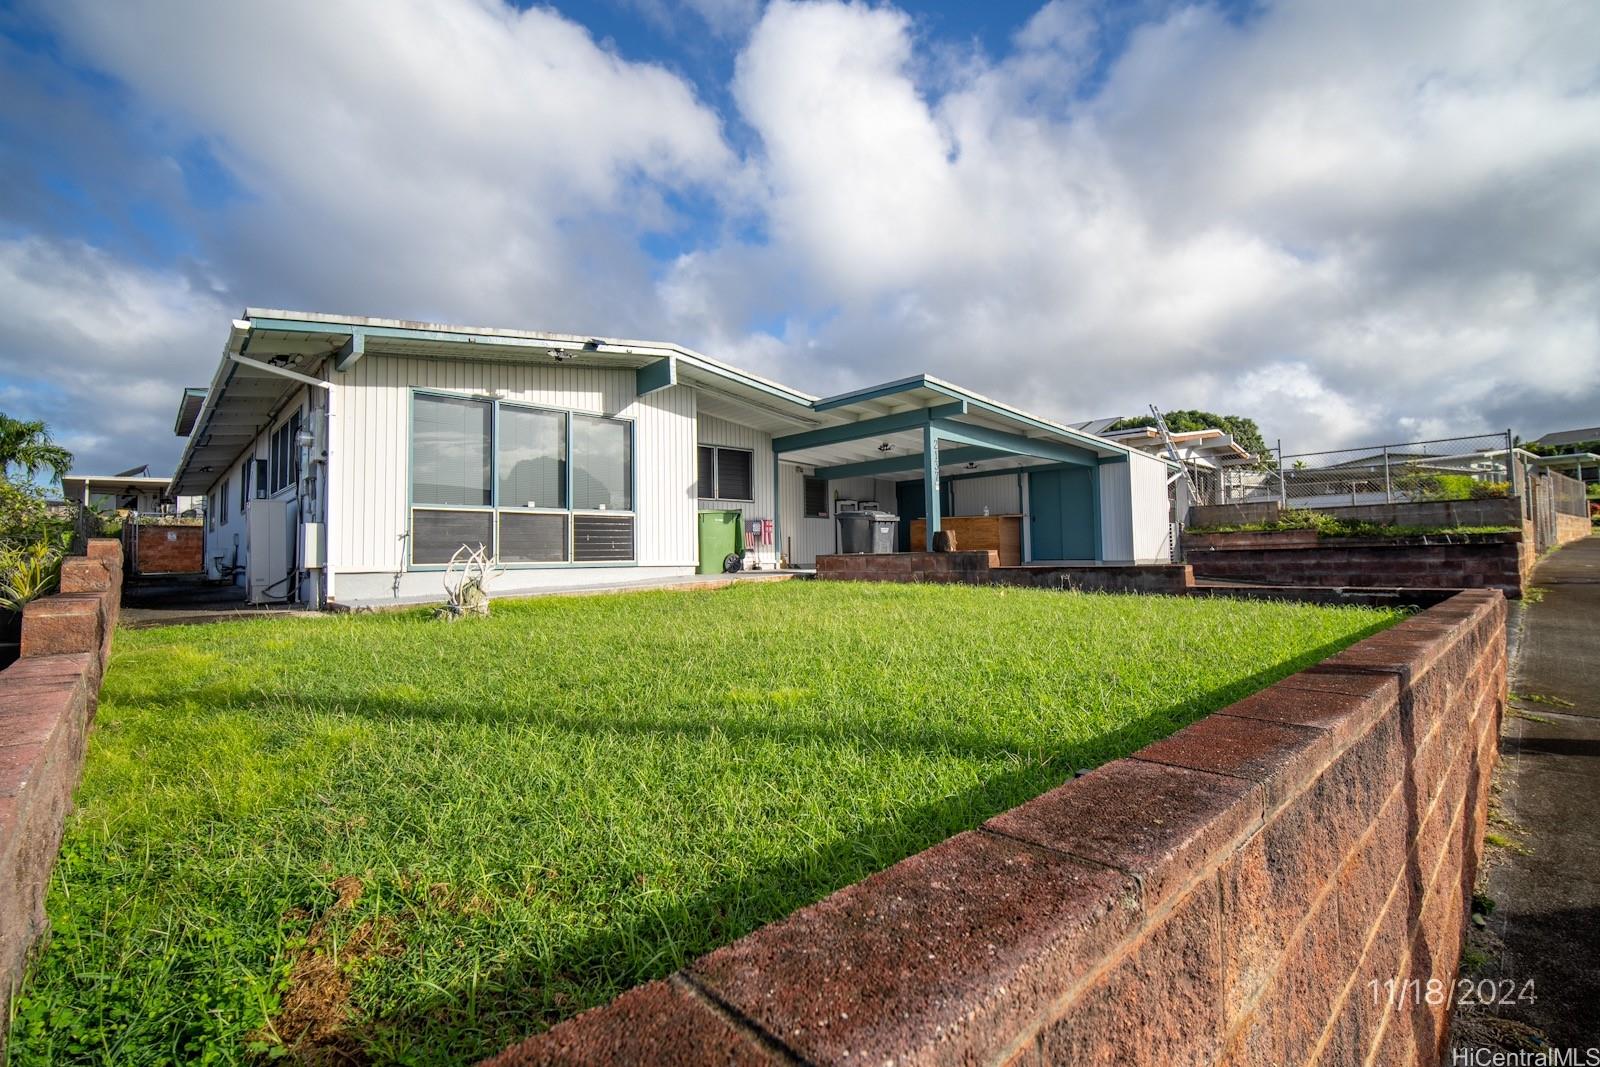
271	353
73	486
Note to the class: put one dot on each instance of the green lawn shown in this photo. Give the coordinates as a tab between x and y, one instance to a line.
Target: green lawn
412	841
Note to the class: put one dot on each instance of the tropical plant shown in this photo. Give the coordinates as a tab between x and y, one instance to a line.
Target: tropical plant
1243	430
28	573
27	447
25	518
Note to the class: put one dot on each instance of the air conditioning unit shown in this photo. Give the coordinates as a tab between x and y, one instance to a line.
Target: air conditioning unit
267	570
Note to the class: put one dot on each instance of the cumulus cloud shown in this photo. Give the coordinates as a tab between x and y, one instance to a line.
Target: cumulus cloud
101	348
1351	220
1390	200
451	158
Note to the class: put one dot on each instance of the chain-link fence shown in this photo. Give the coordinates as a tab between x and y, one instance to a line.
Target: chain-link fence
1450	468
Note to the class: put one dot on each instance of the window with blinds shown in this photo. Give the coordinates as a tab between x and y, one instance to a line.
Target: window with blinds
437	535
450	450
527	483
725	473
602	464
531	458
535	537
816	497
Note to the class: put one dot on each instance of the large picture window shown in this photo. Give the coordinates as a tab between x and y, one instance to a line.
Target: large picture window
726	473
602	464
450	441
518	480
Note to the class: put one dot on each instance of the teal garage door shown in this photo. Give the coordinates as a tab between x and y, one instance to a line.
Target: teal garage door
1063	513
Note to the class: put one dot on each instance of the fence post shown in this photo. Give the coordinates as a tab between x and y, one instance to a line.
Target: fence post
1388	492
1283	485
1511	476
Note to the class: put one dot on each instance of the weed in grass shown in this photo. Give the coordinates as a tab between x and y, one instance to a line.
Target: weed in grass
564	799
1510	844
1543	698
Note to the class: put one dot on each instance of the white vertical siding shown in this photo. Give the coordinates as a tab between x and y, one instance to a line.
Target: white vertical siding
664	474
372	443
1149	509
235	533
1116	514
1000	493
808	537
715	431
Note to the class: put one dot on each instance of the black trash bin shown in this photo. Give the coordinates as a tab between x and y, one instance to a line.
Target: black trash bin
867	531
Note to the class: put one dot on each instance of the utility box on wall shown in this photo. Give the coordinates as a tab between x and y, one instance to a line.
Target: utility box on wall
267	571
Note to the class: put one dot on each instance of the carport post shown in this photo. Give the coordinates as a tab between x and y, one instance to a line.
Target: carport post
930	485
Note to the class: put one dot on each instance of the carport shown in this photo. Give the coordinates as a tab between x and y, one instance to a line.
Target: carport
928	427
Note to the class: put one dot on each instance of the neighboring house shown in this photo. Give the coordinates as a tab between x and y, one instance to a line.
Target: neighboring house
129	490
347	459
1206	453
1563	438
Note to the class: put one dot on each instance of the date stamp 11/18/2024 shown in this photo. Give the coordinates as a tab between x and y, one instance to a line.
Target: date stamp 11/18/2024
1400	994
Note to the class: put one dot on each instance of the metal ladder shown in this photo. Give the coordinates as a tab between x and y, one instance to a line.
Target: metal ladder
1172	453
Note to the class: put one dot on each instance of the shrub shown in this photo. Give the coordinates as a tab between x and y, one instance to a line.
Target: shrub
28	573
1489	490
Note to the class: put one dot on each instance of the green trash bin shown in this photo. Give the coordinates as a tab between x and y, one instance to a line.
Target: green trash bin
721	532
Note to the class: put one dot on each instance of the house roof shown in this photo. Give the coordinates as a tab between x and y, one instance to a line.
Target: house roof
74	487
271	353
1570	437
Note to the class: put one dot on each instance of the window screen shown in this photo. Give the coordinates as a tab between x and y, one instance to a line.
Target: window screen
450	439
532	458
706	473
817	497
734	474
531	537
602	464
284	453
436	535
602	538
222	503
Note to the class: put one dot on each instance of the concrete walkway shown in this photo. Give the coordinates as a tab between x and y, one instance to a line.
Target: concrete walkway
1545	925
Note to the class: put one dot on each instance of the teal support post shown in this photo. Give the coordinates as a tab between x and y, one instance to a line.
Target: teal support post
777	508
930	485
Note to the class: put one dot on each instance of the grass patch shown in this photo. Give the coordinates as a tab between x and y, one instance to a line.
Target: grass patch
1331	526
378	837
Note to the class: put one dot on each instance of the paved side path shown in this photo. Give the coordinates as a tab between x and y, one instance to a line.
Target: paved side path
1547	898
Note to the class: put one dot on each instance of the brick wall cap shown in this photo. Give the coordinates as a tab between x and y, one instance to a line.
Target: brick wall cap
953	948
1160	824
661	1022
1281	757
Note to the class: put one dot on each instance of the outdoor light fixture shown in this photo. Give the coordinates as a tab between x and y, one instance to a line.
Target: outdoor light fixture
972	466
886	447
558	355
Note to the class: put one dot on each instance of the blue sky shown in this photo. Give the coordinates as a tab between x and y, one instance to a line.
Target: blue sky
1349	220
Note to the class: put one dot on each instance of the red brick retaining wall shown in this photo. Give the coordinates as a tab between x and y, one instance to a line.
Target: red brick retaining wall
47	700
1225	896
1299	557
165	549
983	568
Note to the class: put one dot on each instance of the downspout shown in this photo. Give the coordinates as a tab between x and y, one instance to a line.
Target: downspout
327	496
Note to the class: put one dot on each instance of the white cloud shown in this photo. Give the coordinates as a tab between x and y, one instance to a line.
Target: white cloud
419	156
1346	219
103	348
1391	200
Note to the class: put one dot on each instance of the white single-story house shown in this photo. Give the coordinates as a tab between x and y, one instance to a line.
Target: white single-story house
344	460
130	490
